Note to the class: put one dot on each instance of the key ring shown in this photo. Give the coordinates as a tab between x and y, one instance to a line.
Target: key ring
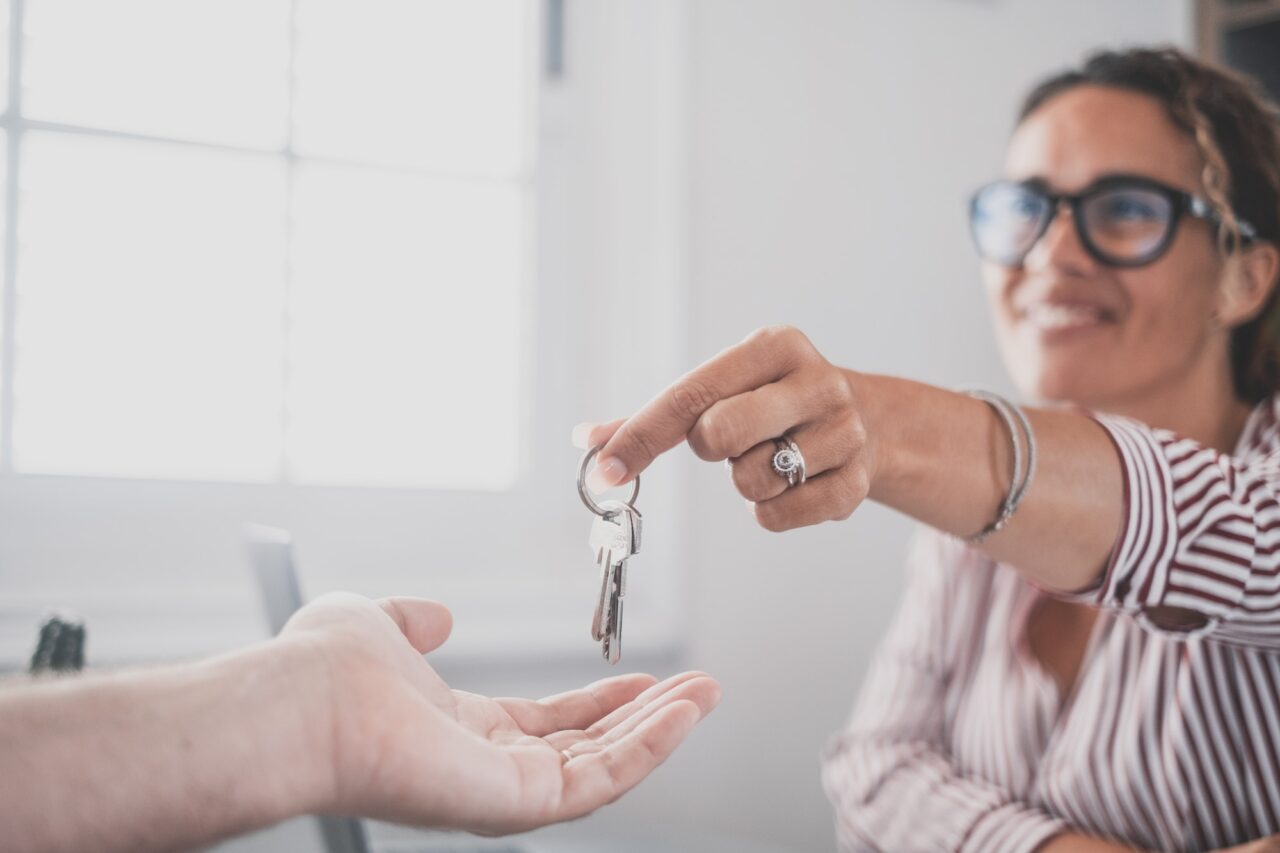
586	496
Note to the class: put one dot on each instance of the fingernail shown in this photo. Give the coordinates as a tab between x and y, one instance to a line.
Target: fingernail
582	435
608	473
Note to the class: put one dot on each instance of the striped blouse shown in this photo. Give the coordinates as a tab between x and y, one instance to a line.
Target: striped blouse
1169	740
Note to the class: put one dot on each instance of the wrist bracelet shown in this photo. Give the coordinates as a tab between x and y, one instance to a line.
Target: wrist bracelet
1015	420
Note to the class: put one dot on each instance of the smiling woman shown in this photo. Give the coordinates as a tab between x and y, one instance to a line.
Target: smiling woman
1102	671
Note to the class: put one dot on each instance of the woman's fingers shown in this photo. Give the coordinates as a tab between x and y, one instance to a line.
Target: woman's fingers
832	496
765	356
575	709
826	446
734	407
733	426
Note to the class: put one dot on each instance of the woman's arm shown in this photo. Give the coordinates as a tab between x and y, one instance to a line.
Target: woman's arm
1071	842
1175	533
941	457
1179	535
945	458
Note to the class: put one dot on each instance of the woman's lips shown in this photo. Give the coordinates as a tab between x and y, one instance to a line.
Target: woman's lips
1052	320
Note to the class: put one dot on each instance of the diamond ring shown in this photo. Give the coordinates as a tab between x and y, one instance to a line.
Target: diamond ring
788	461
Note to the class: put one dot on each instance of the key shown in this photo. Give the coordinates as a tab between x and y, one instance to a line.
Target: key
612	644
605	561
610	541
615	539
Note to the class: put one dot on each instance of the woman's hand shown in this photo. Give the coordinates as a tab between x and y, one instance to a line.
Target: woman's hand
732	408
1071	842
1270	844
405	747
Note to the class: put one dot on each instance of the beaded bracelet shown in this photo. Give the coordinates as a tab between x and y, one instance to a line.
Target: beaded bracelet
1018	425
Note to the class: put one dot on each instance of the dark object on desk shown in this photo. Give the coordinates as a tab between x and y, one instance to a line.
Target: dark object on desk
61	645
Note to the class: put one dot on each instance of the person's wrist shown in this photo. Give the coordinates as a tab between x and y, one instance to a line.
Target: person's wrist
284	690
869	406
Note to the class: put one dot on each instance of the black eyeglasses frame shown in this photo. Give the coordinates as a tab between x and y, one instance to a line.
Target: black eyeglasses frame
1181	203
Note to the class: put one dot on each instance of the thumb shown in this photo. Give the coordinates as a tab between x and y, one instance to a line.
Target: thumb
425	623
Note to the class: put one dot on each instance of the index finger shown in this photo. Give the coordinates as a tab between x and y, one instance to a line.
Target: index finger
765	356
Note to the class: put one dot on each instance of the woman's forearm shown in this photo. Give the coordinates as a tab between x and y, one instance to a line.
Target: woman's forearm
939	456
1071	842
166	758
945	458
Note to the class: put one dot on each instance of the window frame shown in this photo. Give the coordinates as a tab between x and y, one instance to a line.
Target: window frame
71	540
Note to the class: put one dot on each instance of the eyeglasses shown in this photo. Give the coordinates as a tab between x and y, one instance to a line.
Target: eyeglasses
1121	220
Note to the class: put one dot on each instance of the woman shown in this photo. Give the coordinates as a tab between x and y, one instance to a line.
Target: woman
1130	261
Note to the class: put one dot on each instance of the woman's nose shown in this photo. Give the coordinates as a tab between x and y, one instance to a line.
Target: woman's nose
1059	248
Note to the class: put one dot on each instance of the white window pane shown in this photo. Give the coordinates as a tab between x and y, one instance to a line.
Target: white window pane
435	84
210	70
150	308
405	330
4	54
4	194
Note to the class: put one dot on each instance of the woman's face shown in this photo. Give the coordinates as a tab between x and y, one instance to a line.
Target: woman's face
1073	329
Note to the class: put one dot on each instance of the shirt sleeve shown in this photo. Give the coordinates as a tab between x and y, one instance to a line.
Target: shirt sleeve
888	774
1198	545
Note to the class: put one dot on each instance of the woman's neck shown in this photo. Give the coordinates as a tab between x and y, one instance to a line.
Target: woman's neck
1204	409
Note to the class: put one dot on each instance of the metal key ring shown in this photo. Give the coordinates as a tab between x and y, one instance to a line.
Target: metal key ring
586	496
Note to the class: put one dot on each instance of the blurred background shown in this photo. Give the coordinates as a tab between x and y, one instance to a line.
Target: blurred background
355	270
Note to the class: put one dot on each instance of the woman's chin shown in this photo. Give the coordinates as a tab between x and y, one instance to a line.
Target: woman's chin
1075	387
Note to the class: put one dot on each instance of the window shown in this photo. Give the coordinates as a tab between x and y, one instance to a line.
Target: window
337	268
256	240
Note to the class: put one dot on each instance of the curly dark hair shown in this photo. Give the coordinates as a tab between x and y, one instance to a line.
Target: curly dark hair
1237	130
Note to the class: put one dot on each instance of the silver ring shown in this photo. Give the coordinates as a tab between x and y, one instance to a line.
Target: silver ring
788	461
586	495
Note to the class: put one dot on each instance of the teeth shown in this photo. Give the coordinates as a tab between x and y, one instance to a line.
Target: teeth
1061	316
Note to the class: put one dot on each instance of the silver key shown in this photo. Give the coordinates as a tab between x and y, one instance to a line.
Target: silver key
612	644
610	542
615	538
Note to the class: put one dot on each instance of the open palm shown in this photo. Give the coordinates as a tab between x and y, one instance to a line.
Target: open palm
406	747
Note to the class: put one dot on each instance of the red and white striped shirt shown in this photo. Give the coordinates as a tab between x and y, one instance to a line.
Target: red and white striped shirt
1169	740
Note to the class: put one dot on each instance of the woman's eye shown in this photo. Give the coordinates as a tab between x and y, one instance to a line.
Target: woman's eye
1129	209
1025	207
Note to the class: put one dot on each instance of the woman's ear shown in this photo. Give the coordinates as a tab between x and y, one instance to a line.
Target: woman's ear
1248	280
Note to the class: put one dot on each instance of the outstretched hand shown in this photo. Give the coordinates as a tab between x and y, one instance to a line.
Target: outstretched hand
734	407
406	747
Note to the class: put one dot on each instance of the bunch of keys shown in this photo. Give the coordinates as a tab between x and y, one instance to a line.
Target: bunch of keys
615	539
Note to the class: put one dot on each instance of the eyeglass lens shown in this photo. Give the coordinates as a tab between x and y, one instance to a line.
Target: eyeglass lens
1120	224
1127	224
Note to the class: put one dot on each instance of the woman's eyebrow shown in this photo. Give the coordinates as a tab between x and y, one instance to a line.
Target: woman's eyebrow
1035	182
1043	184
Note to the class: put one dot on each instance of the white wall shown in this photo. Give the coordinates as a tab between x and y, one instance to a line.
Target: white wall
832	147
